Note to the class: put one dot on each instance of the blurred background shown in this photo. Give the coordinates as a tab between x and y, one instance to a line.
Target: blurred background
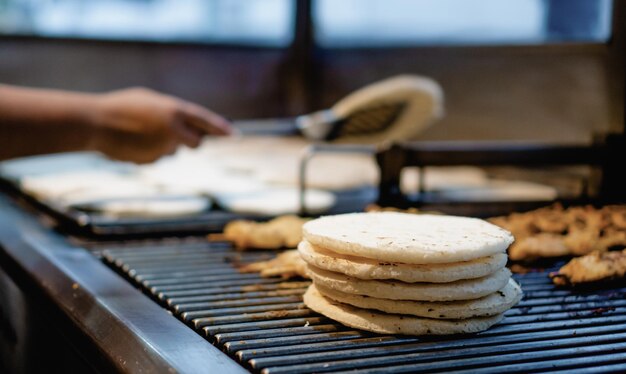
515	69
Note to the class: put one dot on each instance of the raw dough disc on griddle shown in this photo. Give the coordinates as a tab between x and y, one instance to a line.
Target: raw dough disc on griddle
277	201
158	207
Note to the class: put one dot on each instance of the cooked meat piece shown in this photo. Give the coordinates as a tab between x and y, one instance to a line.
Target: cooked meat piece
594	267
281	232
288	264
617	215
522	269
290	228
250	234
582	242
521	225
538	246
554	231
378	208
552	222
612	238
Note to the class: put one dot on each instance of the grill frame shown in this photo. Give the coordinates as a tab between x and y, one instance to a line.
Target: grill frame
277	340
105	321
602	155
91	225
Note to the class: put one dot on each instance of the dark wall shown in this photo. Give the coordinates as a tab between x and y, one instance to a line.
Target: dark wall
236	82
495	93
564	93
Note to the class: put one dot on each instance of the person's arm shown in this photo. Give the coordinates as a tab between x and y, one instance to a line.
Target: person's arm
134	124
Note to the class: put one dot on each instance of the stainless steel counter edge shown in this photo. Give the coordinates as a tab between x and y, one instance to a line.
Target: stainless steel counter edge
130	331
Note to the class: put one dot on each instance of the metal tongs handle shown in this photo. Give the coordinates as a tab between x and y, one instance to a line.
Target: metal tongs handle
317	148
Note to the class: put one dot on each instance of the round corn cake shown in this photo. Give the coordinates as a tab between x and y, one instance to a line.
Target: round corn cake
365	268
370	320
492	304
407	238
396	290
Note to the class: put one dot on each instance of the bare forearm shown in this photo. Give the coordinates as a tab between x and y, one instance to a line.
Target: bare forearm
36	121
135	124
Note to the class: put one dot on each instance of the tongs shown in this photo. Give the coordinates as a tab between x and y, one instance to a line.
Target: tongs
393	109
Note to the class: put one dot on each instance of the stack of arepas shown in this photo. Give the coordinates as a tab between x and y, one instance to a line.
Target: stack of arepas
399	273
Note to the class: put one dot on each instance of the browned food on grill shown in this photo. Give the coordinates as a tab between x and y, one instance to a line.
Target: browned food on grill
555	231
519	268
280	232
378	208
618	217
594	267
537	246
287	265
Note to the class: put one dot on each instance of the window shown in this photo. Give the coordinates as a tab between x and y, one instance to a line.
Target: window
338	23
256	22
347	23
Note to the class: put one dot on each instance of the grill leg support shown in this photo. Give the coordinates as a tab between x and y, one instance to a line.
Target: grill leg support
613	185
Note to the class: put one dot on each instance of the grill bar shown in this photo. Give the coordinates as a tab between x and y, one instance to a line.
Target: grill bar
457	358
201	308
313	338
263	324
620	367
519	364
234	296
282	332
265	286
293	322
304	351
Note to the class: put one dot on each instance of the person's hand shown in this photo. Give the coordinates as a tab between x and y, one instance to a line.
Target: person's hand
141	125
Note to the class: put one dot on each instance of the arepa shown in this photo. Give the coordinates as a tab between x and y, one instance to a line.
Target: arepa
395	290
365	268
407	238
401	273
492	304
385	323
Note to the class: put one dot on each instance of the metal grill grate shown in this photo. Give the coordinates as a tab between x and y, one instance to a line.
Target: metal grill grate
263	324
